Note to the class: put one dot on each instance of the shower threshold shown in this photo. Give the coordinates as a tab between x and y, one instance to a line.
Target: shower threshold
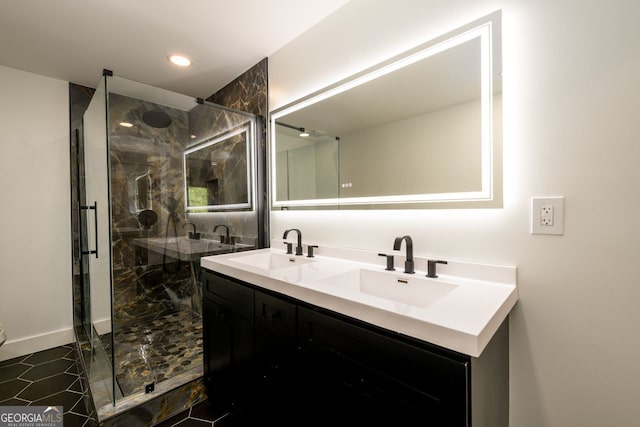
169	397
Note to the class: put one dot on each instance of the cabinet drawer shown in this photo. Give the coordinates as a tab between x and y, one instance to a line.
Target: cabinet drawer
275	316
233	295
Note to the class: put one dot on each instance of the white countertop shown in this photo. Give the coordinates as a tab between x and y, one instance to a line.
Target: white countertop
472	300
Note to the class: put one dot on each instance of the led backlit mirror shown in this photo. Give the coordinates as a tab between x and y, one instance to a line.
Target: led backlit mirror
420	128
217	173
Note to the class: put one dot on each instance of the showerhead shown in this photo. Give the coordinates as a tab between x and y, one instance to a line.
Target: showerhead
157	119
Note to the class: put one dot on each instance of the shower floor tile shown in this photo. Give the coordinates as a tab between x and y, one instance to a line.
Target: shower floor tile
155	350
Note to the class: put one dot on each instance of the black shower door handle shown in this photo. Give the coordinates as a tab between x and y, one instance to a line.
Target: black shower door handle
94	208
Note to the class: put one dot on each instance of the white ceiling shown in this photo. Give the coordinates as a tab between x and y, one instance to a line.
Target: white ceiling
74	40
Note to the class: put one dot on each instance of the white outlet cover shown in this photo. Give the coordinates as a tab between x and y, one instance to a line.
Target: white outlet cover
537	203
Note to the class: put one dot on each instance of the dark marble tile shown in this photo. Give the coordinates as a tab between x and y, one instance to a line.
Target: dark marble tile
48	355
11	388
248	92
47	387
171	345
12	372
47	369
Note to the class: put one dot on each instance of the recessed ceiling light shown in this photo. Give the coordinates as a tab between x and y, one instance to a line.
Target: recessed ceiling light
179	60
126	124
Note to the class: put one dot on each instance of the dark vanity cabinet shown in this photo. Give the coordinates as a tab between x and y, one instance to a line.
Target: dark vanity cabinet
275	358
280	360
228	341
375	376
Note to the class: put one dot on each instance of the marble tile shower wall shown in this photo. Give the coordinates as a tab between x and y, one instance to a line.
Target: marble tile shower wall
248	92
206	120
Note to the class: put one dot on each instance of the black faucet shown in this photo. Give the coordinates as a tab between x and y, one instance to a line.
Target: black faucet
299	247
192	234
389	258
223	238
431	267
408	264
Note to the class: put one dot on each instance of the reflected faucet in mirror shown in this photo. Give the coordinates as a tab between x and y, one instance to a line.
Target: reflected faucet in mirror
408	264
193	234
299	246
224	238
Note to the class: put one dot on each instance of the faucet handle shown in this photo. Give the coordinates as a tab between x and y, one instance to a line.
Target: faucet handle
310	250
431	267
390	266
289	247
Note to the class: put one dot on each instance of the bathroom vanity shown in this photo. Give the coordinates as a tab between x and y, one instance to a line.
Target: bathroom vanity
336	339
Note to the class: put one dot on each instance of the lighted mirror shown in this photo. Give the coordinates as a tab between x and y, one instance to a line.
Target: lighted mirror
143	191
217	174
419	130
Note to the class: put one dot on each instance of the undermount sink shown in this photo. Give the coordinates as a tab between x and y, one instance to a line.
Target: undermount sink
271	261
402	288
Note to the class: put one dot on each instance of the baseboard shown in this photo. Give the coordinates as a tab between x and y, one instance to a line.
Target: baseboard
23	346
102	326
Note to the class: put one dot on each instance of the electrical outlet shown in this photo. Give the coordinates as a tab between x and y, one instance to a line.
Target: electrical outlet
547	215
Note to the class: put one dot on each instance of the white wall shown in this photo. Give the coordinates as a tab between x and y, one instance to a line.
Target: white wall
35	241
572	128
444	149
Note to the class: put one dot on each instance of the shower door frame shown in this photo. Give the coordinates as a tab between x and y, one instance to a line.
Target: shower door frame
95	255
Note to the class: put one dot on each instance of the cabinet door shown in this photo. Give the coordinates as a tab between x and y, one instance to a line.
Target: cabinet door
383	378
275	350
228	354
228	341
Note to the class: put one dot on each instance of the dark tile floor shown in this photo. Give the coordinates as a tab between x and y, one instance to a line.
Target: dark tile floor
51	378
46	378
202	414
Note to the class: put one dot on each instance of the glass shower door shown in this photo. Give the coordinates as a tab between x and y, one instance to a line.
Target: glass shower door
97	257
143	149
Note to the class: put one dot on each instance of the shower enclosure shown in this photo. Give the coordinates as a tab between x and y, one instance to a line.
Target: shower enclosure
158	173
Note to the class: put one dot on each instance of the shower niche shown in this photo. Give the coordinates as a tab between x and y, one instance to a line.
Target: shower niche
141	332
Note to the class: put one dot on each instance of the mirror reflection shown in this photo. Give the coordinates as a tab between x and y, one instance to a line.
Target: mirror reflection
143	191
217	175
422	127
